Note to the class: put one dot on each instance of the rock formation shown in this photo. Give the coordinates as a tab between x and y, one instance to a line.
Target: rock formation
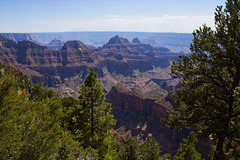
118	58
55	44
140	117
17	36
135	40
122	45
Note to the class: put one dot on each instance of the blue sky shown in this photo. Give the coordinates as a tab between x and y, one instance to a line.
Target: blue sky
183	16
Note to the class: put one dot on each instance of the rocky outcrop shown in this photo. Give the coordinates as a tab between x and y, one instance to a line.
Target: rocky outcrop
5	43
141	116
44	65
119	137
118	67
17	36
122	45
117	40
135	103
141	65
136	40
55	44
116	56
76	45
75	53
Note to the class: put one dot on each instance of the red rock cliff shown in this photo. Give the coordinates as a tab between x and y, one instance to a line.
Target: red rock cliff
142	116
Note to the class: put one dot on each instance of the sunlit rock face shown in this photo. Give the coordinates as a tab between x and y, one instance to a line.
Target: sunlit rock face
133	64
140	116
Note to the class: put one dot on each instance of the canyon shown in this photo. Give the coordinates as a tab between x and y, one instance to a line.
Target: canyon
135	77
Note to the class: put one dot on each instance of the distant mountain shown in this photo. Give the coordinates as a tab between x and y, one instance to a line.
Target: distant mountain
122	45
136	40
89	38
17	36
58	44
119	57
55	44
176	42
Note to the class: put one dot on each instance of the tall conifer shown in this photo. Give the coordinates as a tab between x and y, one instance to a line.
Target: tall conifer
210	77
94	119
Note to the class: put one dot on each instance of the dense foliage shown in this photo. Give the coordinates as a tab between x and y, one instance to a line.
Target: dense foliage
210	76
30	121
187	149
35	123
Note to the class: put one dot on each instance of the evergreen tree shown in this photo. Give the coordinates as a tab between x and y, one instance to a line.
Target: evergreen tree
210	76
69	106
131	151
92	117
150	150
117	148
187	149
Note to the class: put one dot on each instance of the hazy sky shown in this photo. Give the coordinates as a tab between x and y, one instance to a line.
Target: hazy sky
106	15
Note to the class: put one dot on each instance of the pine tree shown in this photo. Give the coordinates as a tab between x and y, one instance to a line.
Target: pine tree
210	76
93	118
131	151
187	149
150	150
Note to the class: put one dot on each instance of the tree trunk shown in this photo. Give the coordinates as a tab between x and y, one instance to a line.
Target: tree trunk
92	127
219	154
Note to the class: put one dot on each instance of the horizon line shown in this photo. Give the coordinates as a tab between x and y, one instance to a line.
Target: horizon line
96	32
